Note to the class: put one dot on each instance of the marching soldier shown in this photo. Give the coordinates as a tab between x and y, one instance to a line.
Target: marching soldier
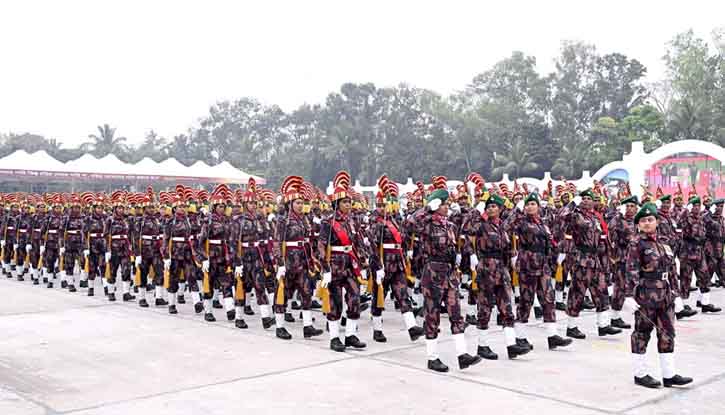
52	230
10	238
36	240
25	229
147	243
178	253
715	227
72	243
653	295
621	232
96	248
118	255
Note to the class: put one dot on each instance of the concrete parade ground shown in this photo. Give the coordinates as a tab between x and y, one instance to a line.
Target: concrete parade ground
63	353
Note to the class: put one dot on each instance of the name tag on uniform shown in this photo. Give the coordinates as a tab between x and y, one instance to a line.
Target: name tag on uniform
668	250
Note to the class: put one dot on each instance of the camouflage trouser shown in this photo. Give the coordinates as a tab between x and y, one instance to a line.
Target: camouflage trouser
716	266
657	310
96	264
619	285
542	287
396	283
254	279
219	279
34	253
352	297
49	259
69	258
22	253
9	251
176	269
151	263
439	284
122	262
293	281
583	279
494	291
699	267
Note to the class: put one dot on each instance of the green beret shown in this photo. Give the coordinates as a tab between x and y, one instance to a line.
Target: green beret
647	209
694	200
631	199
495	200
532	197
441	194
665	198
718	201
587	192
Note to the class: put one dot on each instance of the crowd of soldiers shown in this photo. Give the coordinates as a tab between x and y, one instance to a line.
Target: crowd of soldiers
470	252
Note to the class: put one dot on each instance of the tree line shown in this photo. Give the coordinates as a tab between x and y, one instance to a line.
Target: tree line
509	119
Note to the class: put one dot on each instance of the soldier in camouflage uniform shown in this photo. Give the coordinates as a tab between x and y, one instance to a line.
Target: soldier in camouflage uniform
621	232
440	280
387	262
148	244
25	229
652	295
692	258
534	259
9	238
95	249
73	241
36	238
179	254
339	247
51	230
119	253
715	233
587	272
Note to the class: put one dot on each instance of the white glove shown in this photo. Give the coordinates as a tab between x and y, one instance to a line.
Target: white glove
544	203
270	217
28	247
238	270
167	264
622	209
434	204
560	258
138	261
326	279
379	275
62	250
679	304
520	206
474	261
2	243
513	260
366	241
364	274
281	271
481	207
205	265
458	260
409	254
577	200
455	207
316	220
42	249
86	252
15	247
630	305
108	256
712	209
689	207
703	208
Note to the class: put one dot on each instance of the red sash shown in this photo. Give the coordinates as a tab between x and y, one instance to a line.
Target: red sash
394	231
344	239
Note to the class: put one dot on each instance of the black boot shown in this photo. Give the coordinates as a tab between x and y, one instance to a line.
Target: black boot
486	353
64	284
698	304
128	297
143	303
709	308
198	307
180	299
437	366
608	331
415	333
466	360
90	292
160	302
209	317
72	288
588	304
45	280
525	343
172	309
216	304
83	284
231	315
538	313
336	345
267	322
418	311
558	341
575	333
311	331
288	318
315	305
105	291
343	322
379	337
20	277
647	381
354	342
50	284
248	310
499	320
295	305
560	306
676	380
240	323
283	334
36	282
516	350
112	297
471	320
620	324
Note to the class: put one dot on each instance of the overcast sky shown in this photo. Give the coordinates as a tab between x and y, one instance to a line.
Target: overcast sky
67	66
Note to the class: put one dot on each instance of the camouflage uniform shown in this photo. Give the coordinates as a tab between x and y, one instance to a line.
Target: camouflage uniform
10	237
95	231
148	244
691	253
25	230
214	247
621	232
178	248
117	238
73	244
715	231
36	240
249	239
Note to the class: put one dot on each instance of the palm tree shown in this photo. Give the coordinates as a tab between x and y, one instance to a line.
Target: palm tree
517	159
572	156
105	142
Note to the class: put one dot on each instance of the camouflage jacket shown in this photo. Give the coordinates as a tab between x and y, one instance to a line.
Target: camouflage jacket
94	230
693	235
386	242
148	237
715	231
292	231
586	232
646	256
621	231
117	236
337	262
179	239
73	232
535	246
214	241
52	230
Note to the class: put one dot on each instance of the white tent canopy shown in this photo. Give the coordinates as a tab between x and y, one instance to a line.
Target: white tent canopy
40	164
